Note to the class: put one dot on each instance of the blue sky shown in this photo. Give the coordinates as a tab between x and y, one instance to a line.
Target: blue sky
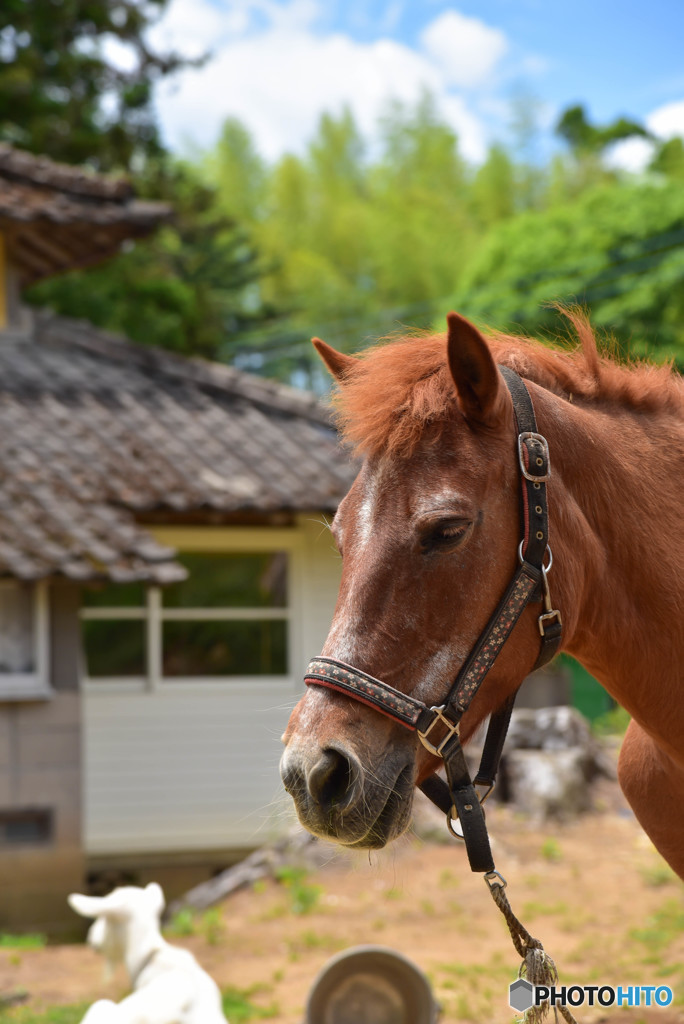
277	64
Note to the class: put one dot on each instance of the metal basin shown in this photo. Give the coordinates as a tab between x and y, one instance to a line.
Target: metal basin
371	985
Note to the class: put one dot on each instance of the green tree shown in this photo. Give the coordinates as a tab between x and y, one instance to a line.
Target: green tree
584	138
493	189
61	92
420	215
669	159
238	173
618	248
190	288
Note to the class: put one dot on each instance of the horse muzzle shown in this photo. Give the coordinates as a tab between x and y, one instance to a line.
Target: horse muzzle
337	799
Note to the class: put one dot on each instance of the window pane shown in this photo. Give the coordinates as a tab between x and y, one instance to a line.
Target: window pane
115	595
22	827
16	627
255	648
115	647
230	581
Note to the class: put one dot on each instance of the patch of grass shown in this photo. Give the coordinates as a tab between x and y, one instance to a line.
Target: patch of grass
182	924
463	1008
551	850
665	925
658	874
238	1006
611	723
303	895
313	940
212	927
533	909
53	1015
477	972
28	941
449	879
186	923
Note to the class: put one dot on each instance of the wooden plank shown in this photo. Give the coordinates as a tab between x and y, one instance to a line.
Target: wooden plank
3	283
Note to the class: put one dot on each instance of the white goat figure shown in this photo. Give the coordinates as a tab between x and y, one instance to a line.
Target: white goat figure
169	986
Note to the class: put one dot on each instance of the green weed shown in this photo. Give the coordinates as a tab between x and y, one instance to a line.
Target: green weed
28	941
239	1008
212	926
658	874
182	924
662	928
533	909
303	895
551	850
53	1015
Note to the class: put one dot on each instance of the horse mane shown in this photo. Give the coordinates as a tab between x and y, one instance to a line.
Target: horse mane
402	387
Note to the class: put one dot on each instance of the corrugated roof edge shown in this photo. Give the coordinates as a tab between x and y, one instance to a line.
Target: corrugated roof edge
52	329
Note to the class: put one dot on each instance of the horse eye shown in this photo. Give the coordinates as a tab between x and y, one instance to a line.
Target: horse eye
447	535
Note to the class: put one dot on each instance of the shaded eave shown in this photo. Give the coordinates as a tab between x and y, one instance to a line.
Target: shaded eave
56	218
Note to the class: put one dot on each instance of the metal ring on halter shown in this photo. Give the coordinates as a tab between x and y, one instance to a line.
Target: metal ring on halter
545	568
453	823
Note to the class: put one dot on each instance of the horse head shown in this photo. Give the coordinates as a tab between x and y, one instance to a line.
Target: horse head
429	536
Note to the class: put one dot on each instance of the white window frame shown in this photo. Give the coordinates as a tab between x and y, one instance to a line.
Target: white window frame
210	541
35	685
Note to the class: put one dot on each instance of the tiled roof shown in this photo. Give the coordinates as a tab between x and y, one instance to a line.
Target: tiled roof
57	217
97	434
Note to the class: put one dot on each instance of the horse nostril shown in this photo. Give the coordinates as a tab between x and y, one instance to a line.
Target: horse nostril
331	779
292	777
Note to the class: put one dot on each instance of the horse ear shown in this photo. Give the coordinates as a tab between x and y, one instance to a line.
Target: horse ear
339	364
474	371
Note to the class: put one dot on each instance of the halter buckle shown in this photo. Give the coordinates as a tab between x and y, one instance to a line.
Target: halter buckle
543	460
452	727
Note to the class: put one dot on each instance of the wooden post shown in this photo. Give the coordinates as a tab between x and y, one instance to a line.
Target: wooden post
3	284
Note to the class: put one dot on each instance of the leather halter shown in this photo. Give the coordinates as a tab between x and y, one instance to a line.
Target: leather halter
457	797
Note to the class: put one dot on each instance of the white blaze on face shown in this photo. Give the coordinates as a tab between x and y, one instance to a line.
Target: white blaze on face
350	631
368	506
347	628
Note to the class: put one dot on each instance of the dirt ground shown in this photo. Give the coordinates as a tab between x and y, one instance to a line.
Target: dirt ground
594	891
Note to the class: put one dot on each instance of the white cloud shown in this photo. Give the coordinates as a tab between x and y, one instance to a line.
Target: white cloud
635	154
274	71
630	154
465	49
667	121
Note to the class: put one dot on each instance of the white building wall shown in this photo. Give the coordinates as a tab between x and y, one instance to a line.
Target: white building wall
194	765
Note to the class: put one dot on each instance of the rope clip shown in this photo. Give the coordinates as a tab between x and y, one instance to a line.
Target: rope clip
495	881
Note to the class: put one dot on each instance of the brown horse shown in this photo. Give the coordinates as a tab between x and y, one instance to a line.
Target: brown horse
429	537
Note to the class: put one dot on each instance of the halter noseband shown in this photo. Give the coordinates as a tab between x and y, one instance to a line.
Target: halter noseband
457	797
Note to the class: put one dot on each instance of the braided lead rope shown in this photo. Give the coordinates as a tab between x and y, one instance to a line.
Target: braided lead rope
537	967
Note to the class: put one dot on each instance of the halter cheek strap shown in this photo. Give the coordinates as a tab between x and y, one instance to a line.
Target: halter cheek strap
438	726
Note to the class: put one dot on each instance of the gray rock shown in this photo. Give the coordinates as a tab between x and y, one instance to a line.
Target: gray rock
550	783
